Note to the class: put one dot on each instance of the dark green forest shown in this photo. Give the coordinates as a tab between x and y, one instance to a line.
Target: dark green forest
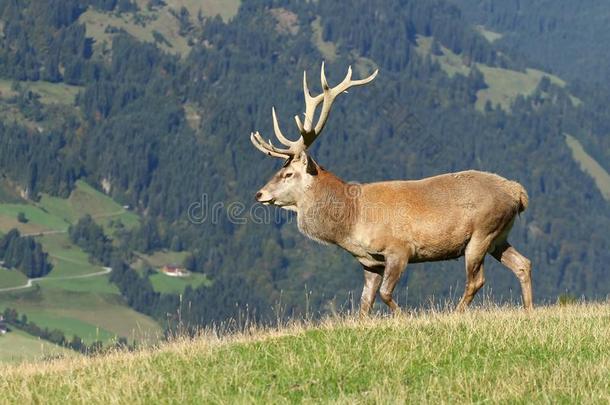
23	253
129	127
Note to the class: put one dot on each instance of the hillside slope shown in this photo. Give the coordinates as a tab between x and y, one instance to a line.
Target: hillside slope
17	346
76	297
555	354
161	129
565	37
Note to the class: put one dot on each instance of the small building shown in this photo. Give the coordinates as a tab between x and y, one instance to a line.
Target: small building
174	271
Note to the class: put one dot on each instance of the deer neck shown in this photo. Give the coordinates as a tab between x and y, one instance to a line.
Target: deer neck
329	209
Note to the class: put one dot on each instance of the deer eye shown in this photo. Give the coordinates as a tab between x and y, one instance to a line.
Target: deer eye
287	175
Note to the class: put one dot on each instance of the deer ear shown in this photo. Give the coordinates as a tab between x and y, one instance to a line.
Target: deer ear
312	167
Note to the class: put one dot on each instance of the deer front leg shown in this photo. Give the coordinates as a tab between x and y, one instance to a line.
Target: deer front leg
372	281
394	267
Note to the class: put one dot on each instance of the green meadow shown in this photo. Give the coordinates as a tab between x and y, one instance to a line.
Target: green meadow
85	200
90	313
166	284
17	346
50	93
11	278
163	283
76	296
38	219
556	354
503	85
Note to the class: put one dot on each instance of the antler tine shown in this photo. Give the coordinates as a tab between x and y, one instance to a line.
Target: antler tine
299	123
310	109
268	145
366	80
280	136
309	133
323	80
329	95
308	97
267	148
305	87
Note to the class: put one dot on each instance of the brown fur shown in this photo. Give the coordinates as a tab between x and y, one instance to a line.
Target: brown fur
385	225
328	213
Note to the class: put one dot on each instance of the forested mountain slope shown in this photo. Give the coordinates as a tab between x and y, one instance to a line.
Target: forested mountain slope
167	132
566	36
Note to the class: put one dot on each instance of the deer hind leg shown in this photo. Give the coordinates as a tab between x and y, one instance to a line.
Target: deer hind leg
475	276
520	265
372	281
394	268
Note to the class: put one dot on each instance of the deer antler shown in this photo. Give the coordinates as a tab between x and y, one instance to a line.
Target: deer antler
309	133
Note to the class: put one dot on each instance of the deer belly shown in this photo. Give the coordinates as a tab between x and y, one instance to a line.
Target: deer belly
435	255
440	246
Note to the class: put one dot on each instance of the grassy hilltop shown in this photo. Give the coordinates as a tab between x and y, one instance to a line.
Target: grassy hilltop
554	355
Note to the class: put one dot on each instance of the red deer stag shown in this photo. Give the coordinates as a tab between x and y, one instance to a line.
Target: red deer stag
388	224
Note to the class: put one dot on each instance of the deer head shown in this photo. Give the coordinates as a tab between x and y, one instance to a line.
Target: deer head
287	187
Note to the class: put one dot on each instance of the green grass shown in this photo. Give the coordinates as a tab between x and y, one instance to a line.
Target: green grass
97	22
590	166
327	49
503	85
88	314
38	220
89	307
166	284
98	284
8	193
450	62
50	93
70	326
68	259
54	93
226	9
553	355
18	346
163	257
56	214
192	115
70	263
143	24
11	278
87	200
490	36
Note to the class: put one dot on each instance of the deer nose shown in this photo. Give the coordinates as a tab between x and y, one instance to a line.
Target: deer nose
258	195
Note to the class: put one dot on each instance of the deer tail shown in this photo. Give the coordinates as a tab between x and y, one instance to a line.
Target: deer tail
522	197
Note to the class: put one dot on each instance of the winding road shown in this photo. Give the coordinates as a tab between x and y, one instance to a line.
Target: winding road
42	233
31	281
